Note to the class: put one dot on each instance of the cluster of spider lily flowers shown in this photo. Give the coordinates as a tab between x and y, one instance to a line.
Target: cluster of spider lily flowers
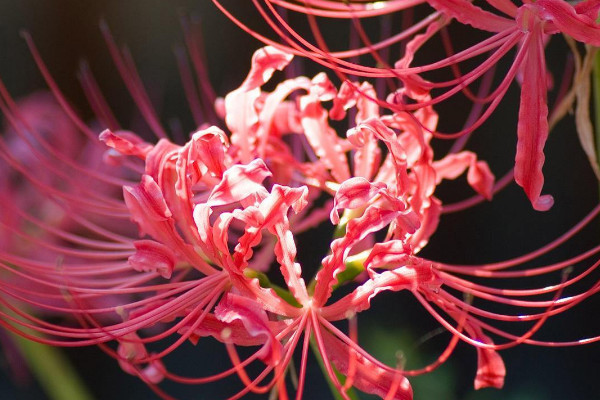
141	246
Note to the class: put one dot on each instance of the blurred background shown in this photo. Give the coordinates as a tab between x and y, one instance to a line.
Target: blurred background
67	31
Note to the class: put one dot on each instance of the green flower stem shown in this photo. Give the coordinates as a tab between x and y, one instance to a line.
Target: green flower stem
52	370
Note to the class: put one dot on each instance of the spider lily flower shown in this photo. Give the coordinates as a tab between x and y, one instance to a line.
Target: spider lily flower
208	180
217	217
190	204
525	27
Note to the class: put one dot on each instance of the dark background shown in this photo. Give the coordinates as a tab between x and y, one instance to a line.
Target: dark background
67	31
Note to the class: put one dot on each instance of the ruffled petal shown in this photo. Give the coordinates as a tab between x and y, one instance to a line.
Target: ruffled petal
151	256
240	182
254	318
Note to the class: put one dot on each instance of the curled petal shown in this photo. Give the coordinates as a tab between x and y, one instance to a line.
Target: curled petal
161	159
254	318
397	153
532	130
240	109
271	214
490	367
240	182
264	62
414	275
367	108
479	176
209	149
372	220
322	138
589	8
430	218
151	256
146	204
343	100
354	193
232	332
126	143
278	116
392	253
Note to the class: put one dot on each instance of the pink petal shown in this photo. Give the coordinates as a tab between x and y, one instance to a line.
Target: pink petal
367	156
532	130
490	367
209	146
322	138
392	253
161	158
241	115
276	114
240	182
416	275
149	210
151	256
415	86
322	87
271	214
344	100
146	204
589	8
397	154
506	6
354	193
126	143
467	13
264	62
479	176
430	218
242	120
372	220
233	332
234	307
581	27
367	108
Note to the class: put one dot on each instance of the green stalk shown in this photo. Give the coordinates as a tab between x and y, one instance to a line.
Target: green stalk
52	369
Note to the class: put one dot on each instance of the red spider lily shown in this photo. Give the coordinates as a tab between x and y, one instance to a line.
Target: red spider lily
241	187
216	213
525	27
